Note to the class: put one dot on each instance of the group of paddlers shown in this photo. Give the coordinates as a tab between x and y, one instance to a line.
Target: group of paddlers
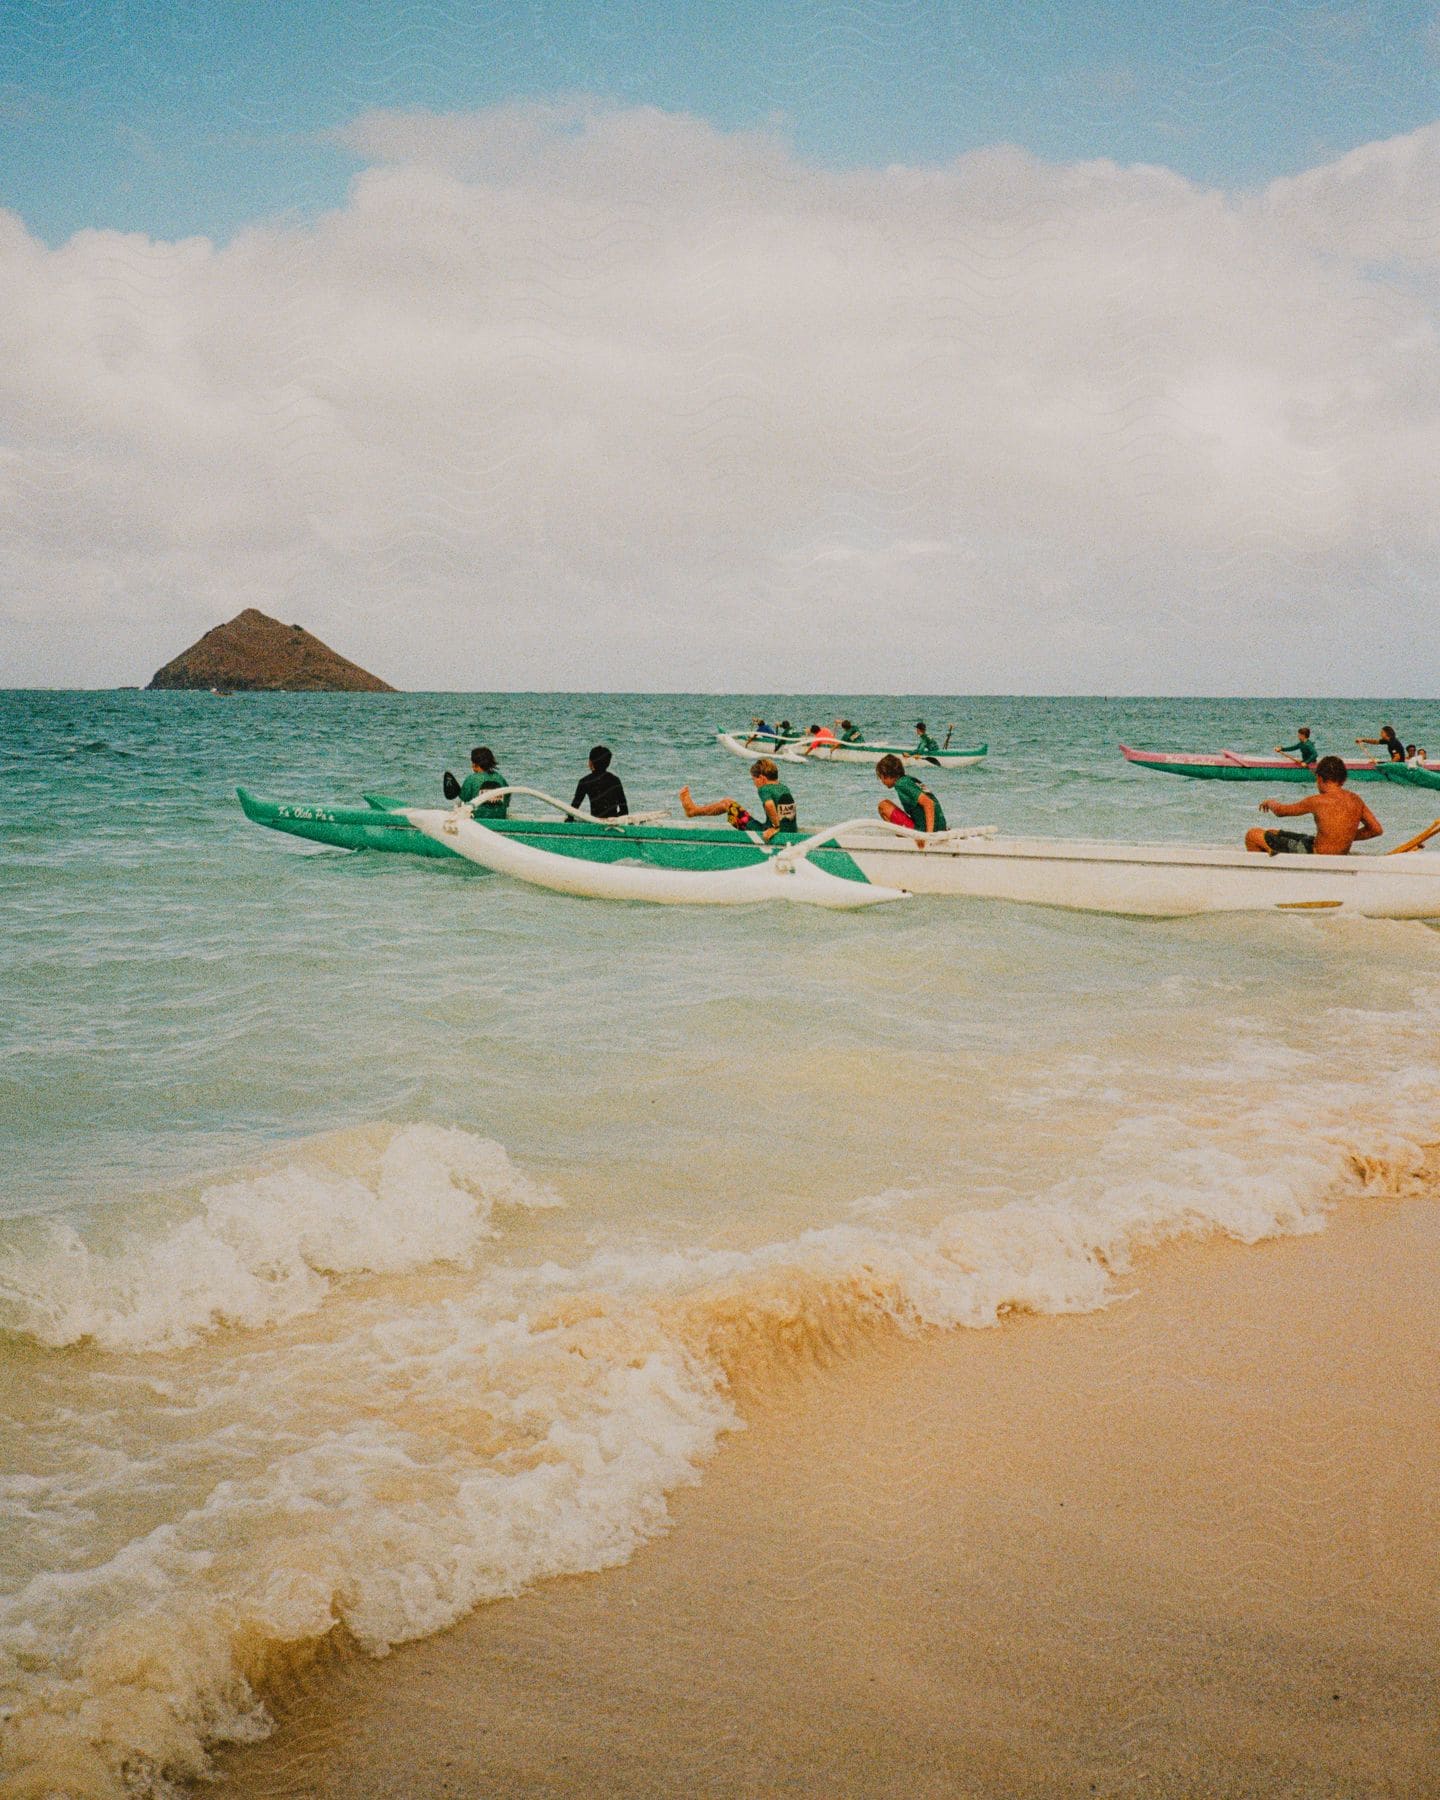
1342	819
908	802
599	787
1388	740
816	737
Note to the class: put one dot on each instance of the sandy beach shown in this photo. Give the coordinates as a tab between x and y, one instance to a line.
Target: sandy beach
1185	1546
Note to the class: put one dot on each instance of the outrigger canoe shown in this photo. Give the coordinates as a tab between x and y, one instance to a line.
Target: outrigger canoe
1236	765
1143	880
713	875
1411	774
792	750
644	841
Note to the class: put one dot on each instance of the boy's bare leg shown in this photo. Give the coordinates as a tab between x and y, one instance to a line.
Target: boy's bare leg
710	809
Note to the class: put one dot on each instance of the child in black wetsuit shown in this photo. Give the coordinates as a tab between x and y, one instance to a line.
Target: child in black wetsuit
601	788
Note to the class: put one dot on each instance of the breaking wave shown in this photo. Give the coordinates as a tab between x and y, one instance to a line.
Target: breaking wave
266	1248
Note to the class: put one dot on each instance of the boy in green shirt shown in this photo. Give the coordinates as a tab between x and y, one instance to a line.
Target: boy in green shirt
483	776
777	803
925	745
914	805
1304	749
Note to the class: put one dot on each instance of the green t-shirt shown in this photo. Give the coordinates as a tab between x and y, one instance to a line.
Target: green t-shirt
907	792
476	784
1304	749
851	736
925	745
784	805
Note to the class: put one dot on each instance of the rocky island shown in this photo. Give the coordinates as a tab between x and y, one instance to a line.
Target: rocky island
257	654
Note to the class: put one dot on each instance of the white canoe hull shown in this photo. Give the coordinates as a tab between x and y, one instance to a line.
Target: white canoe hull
850	753
1153	880
800	884
1085	875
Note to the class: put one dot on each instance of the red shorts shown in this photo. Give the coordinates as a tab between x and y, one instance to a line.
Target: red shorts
899	818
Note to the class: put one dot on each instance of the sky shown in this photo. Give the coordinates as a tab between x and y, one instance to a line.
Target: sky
876	346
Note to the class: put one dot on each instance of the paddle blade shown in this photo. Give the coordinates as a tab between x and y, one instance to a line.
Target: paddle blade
1414	843
450	787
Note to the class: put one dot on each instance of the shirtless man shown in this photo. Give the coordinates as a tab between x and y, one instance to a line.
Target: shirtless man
1341	818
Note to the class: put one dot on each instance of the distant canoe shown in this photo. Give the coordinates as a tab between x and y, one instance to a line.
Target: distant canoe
1236	765
792	750
1412	774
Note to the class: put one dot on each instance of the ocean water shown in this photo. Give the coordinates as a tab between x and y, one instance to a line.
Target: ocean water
378	1237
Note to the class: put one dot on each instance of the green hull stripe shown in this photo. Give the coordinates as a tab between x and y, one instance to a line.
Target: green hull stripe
368	828
1234	772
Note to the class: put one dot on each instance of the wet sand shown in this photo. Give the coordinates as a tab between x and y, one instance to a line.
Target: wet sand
1189	1546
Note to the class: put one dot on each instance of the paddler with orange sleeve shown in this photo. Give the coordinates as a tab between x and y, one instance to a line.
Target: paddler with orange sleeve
777	804
914	806
816	737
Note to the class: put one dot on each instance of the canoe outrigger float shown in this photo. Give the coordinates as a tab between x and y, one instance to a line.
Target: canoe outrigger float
1411	774
1235	765
792	750
744	871
873	860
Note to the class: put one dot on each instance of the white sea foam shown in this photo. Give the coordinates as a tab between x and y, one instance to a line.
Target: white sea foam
416	1466
265	1248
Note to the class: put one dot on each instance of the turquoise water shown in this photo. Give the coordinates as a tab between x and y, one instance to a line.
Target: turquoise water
182	986
379	1235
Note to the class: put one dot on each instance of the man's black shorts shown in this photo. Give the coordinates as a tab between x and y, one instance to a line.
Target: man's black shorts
1289	843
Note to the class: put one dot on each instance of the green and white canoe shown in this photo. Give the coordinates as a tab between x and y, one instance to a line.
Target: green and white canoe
863	860
695	845
794	750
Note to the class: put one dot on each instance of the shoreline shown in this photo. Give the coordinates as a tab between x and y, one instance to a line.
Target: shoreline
1185	1545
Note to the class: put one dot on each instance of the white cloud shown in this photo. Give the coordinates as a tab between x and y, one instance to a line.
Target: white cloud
568	395
1378	204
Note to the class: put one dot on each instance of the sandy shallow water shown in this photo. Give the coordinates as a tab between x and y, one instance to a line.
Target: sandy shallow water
1184	1546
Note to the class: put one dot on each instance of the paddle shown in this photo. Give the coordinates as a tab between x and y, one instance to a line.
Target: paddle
449	786
949	733
1421	837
